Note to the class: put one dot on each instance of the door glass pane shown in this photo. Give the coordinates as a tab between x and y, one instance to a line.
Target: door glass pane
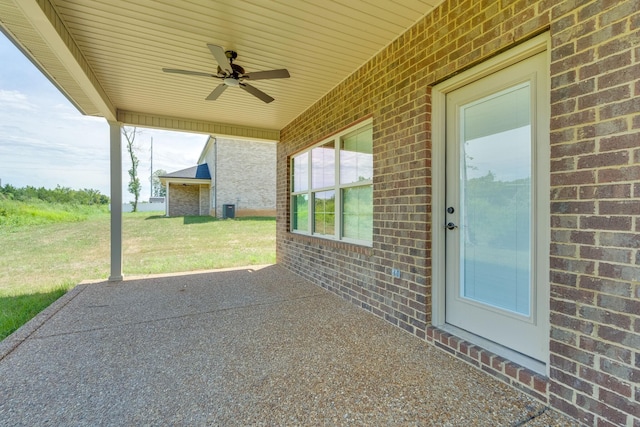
495	219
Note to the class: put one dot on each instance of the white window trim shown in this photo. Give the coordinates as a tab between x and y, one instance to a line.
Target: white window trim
337	188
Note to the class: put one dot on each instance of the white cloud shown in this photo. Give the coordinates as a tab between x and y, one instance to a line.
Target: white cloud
45	141
13	99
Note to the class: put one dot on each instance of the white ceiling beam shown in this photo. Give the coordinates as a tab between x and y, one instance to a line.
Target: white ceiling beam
197	126
46	22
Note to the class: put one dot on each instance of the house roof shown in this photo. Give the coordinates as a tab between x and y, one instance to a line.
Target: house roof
195	172
107	56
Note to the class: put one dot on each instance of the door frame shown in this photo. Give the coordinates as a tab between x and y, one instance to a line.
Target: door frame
439	92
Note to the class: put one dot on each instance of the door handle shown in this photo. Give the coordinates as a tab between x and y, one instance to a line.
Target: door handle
450	226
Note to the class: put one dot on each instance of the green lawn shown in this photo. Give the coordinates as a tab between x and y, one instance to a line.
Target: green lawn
38	263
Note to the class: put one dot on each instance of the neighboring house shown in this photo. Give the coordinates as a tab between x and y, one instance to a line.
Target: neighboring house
233	178
188	191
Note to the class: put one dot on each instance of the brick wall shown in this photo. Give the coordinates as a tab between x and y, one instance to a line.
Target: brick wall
246	176
595	199
205	199
595	211
184	200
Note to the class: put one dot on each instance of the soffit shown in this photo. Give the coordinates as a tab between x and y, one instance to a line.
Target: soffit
126	44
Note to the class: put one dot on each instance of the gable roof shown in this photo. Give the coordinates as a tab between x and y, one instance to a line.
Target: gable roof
194	172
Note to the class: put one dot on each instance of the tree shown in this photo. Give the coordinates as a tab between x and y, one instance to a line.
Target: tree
134	181
159	190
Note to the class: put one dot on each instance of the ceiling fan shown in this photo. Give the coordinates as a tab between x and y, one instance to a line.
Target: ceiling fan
233	75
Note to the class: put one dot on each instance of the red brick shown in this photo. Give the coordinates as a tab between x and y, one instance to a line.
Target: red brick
616	158
606	254
570	120
605	191
619	240
604	97
628	107
607	381
567	321
568	207
616	271
571	381
622	305
572	353
622	321
572	410
610	287
597	407
623	337
511	370
623	207
605	65
525	376
561	391
630	173
564	164
619	402
625	75
572	294
573	148
619	370
563	364
622	223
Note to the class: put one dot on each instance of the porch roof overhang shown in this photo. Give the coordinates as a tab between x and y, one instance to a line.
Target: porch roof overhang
184	181
107	56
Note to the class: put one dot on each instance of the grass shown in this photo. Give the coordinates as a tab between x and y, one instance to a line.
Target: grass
14	214
39	262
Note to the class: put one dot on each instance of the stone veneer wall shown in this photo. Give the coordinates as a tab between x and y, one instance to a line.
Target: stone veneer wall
595	190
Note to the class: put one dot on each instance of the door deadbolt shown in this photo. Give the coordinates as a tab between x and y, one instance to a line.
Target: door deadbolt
450	209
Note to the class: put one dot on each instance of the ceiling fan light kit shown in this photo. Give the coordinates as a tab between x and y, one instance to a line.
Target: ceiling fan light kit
233	75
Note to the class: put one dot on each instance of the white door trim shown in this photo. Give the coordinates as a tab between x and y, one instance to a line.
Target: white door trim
527	49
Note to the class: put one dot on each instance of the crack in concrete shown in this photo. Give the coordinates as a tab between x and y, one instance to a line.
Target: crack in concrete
531	417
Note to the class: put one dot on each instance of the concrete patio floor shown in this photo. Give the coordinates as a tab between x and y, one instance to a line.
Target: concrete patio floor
250	346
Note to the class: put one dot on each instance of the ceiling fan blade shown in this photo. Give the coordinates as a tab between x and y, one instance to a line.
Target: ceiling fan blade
271	74
256	92
191	73
221	57
216	92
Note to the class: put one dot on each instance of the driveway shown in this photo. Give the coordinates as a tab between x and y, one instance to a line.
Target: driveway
249	346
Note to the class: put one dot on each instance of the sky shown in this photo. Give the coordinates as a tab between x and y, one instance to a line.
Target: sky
45	141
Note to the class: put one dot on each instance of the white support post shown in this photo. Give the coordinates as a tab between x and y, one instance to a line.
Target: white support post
115	133
166	201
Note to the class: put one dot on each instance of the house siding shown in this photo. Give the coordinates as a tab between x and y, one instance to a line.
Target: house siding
594	360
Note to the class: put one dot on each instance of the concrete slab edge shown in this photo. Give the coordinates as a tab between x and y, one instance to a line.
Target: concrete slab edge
23	333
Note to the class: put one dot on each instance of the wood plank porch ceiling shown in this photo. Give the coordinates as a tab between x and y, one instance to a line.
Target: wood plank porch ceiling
107	55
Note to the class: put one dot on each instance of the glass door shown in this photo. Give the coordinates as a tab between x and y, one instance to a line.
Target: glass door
492	196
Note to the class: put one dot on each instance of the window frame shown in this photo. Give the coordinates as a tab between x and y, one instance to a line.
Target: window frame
337	188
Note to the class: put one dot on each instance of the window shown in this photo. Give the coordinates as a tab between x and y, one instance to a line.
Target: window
332	187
